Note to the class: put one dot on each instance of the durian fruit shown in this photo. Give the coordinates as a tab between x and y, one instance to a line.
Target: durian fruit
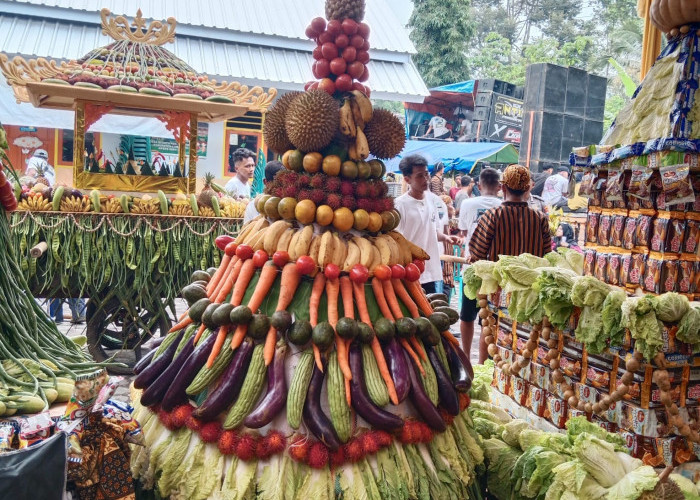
274	131
341	9
385	134
664	490
312	120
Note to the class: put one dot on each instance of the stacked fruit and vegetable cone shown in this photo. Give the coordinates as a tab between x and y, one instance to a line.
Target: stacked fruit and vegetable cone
311	361
38	365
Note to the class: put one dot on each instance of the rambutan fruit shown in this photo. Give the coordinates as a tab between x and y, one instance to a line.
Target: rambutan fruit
383	438
262	448
354	451
228	442
333	184
289	190
410	433
348	201
464	401
365	204
194	424
246	447
287	177
318	455
166	419
304	180
425	432
362	189
317	197
373	189
276	441
304	194
210	432
180	415
346	188
383	188
276	192
337	457
317	181
333	200
299	448
387	204
449	419
369	444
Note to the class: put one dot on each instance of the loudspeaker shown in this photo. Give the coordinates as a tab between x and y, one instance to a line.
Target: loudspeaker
595	100
493	85
545	88
482	113
483	99
573	128
592	132
576	90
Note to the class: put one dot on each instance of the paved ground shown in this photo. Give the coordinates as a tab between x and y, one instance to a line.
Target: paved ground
122	393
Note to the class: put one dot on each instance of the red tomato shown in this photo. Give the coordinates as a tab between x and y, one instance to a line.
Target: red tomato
230	249
334	27
365	75
338	66
343	83
412	272
420	264
398	272
306	264
357	41
328	85
318	55
331	271
318	24
310	33
321	69
349	54
326	37
342	41
349	26
280	258
355	69
222	241
359	273
244	252
383	272
329	51
363	30
260	257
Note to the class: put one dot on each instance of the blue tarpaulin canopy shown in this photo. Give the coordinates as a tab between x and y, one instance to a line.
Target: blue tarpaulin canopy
462	87
460	156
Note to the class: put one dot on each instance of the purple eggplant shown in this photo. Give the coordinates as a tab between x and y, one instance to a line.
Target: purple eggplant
458	371
446	391
153	370
393	353
421	401
316	421
229	386
375	416
146	360
276	396
176	394
154	393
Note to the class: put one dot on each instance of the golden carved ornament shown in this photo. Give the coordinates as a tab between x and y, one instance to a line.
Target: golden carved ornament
119	28
256	98
19	71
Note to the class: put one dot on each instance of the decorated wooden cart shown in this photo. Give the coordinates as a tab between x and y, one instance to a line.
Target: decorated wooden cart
115	247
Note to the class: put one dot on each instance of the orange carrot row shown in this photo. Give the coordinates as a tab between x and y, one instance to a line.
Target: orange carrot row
381	300
218	344
402	294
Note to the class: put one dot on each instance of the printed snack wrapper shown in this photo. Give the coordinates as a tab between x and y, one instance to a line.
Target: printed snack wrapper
537	401
630	230
121	413
592	223
669	276
677	185
686	275
518	390
660	232
604	228
589	260
557	410
605	424
642	239
34	429
676	232
614	187
692	233
7	434
85	394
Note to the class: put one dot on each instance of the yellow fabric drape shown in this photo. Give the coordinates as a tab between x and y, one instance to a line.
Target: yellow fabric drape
651	45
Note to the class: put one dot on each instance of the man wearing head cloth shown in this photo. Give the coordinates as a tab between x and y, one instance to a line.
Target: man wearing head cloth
512	228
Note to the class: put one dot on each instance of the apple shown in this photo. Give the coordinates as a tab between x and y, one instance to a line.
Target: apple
420	264
305	264
363	56
355	69
349	54
398	272
318	24
342	41
365	46
328	85
323	68
310	33
412	272
343	83
326	37
244	252
329	51
334	27
357	41
280	258
230	249
332	271
382	272
365	75
338	66
260	257
317	54
222	241
362	30
359	273
349	26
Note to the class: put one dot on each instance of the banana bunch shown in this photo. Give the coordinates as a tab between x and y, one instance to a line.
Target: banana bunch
355	112
112	206
332	249
407	248
75	204
145	205
36	203
233	209
252	231
206	211
179	207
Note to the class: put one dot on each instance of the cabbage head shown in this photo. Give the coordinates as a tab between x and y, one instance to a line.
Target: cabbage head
671	307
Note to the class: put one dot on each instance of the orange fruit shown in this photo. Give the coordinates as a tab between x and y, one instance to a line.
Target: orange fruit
312	162
349	169
324	215
296	160
285	159
361	219
364	170
377	168
271	207
305	211
287	207
397	216
260	203
375	222
331	165
388	221
343	219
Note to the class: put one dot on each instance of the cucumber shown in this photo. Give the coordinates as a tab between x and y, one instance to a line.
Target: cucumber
163	202
430	383
57	197
376	387
124	202
215	206
298	387
341	416
253	384
207	375
95	200
193	205
65	391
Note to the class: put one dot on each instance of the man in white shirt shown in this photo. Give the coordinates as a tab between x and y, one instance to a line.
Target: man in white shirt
271	170
438	126
469	212
244	164
556	187
420	221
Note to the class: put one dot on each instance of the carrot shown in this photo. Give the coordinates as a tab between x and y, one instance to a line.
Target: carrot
402	294
199	333
291	277
267	278
228	283
421	301
238	336
413	354
247	271
186	321
220	338
346	294
269	349
316	292
390	297
224	278
418	347
214	281
381	300
332	289
317	355
451	338
360	300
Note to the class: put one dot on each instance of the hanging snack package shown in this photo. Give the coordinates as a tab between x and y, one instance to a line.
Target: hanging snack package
625	267
652	273
676	184
686	274
630	230
637	269
613	189
669	274
695	180
659	232
587	187
692	233
604	227
619	218
601	264
675	233
640	187
592	223
643	237
612	272
589	255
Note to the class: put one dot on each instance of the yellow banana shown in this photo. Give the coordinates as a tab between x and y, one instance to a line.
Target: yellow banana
293	255
272	235
384	250
340	251
416	251
376	259
353	256
396	255
357	114
364	104
365	251
361	144
315	248
257	240
248	229
352	152
304	241
283	242
347	122
326	250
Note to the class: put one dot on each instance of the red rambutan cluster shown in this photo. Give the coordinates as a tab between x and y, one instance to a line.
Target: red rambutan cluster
333	184
362	189
289	190
317	181
348	201
318	455
346	188
246	447
333	200
317	197
415	432
228	442
210	432
180	415
304	194
194	424
299	448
